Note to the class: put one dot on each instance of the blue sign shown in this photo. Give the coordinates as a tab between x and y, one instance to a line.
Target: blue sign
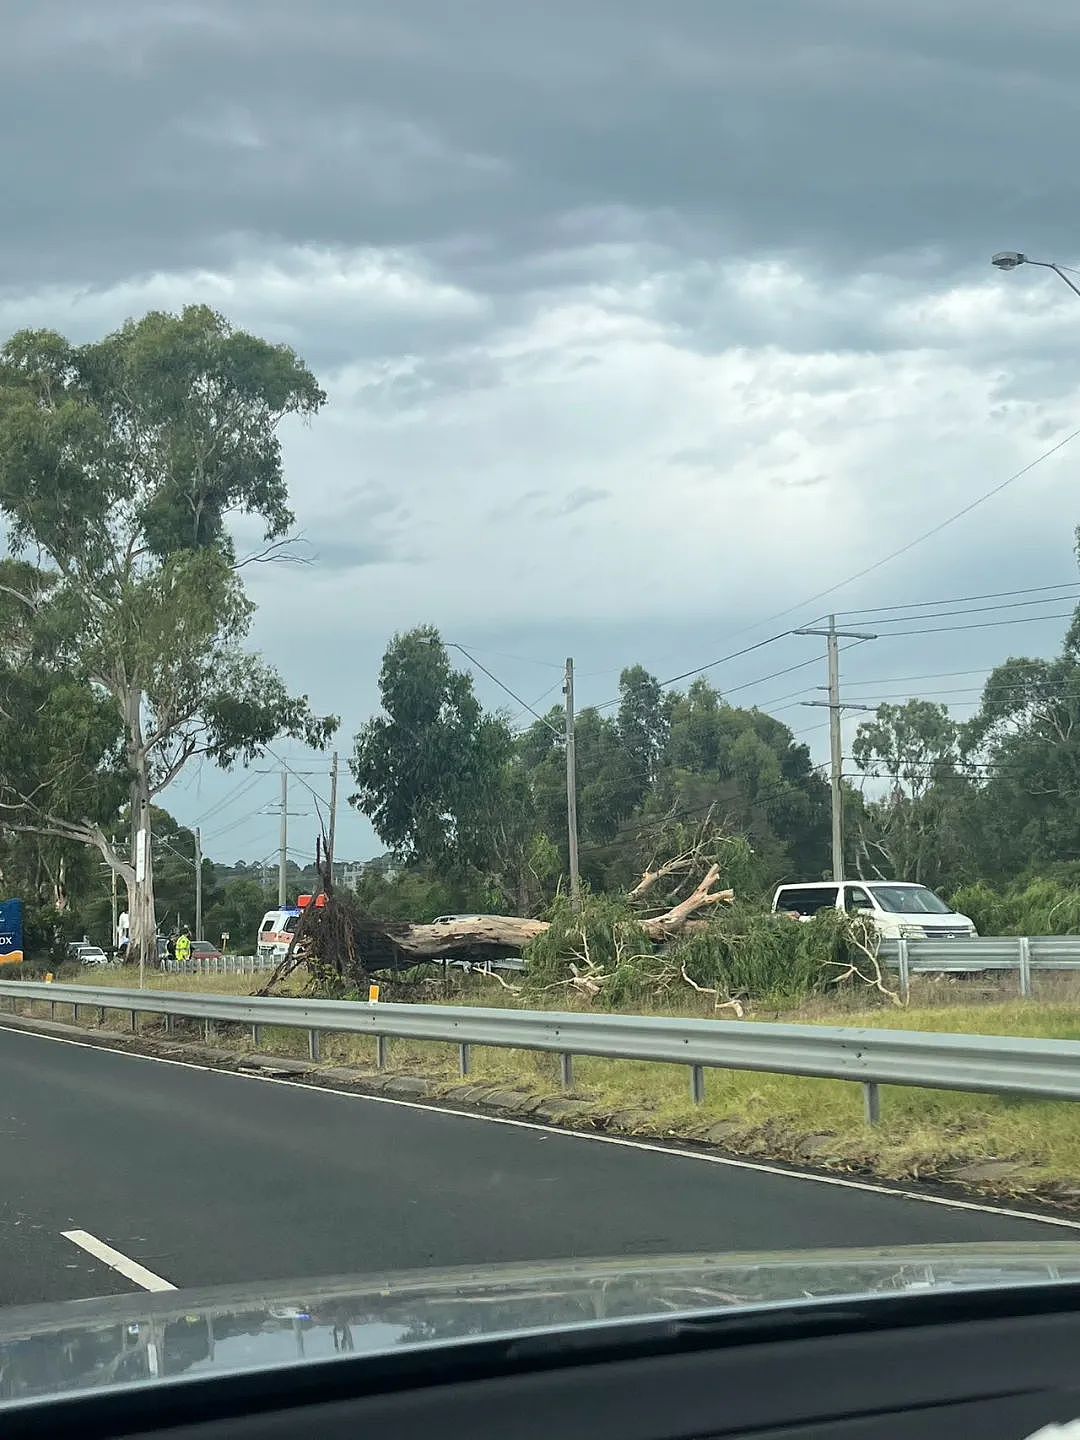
11	932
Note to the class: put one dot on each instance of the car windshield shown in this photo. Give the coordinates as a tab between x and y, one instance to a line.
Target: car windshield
909	900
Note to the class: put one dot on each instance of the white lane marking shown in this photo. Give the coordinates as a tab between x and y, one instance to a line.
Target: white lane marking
130	1269
757	1166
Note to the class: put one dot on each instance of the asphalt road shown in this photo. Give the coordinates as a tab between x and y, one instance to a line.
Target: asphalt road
207	1177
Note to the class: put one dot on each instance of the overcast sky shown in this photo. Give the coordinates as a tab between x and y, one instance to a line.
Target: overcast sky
640	322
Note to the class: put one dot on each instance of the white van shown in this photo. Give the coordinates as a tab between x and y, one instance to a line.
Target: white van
276	932
898	910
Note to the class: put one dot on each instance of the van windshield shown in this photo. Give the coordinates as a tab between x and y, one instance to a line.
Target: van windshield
909	900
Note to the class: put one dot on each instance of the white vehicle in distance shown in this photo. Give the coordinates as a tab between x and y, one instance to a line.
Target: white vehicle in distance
92	955
276	932
899	911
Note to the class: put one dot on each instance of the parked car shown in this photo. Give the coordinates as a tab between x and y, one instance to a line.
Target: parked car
898	910
92	955
204	950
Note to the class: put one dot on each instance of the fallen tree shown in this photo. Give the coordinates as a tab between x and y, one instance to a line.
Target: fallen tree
342	947
611	951
505	933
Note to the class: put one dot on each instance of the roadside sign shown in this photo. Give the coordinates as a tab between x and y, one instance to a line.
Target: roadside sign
11	932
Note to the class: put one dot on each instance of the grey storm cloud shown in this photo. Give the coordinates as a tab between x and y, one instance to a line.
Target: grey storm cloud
601	291
155	134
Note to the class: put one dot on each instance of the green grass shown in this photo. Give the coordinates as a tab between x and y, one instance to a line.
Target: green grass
923	1133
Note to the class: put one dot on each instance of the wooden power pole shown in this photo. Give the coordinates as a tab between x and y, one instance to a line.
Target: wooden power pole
836	747
198	884
571	787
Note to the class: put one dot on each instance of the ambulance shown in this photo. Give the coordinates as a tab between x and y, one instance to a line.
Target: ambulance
279	926
276	932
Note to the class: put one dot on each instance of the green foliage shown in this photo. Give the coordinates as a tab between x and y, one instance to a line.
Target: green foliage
606	934
1043	906
120	462
753	954
916	829
237	911
418	894
431	768
744	953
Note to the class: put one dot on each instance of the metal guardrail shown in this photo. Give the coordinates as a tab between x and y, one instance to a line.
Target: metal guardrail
1026	954
220	965
1003	1065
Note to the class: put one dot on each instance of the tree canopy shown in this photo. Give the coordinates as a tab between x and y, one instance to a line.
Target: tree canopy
122	462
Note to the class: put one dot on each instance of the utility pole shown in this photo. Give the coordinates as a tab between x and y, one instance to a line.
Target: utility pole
198	883
836	747
571	786
333	818
283	839
115	936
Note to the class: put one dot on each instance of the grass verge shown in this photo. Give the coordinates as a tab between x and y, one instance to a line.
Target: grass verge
996	1144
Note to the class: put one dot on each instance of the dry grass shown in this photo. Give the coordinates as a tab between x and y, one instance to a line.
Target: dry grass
923	1133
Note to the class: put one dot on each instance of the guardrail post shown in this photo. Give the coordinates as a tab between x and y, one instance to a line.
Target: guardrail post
905	974
566	1070
101	1015
697	1084
135	1021
464	1058
208	1032
872	1102
1024	947
382	1050
169	1019
256	1035
313	1047
52	1009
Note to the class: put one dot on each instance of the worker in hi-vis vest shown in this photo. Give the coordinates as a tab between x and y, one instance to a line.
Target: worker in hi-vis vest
183	947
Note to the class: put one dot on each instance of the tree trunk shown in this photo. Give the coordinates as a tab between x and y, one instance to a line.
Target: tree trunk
141	907
388	942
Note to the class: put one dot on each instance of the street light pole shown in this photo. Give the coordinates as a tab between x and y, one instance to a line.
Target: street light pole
1010	259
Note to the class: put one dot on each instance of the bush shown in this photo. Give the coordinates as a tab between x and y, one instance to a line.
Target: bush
1038	907
755	955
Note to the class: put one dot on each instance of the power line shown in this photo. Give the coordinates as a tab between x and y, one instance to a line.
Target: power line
735	654
297	774
932	675
621	841
989	624
892	555
234	824
532	711
960	599
974	610
241	788
802	664
450	644
178	853
926	535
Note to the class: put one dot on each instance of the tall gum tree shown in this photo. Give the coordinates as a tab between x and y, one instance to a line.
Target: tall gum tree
121	463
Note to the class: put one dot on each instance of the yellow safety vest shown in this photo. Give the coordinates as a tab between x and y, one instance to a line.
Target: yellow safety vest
183	948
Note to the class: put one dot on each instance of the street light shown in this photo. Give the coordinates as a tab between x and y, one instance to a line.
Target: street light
1010	259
